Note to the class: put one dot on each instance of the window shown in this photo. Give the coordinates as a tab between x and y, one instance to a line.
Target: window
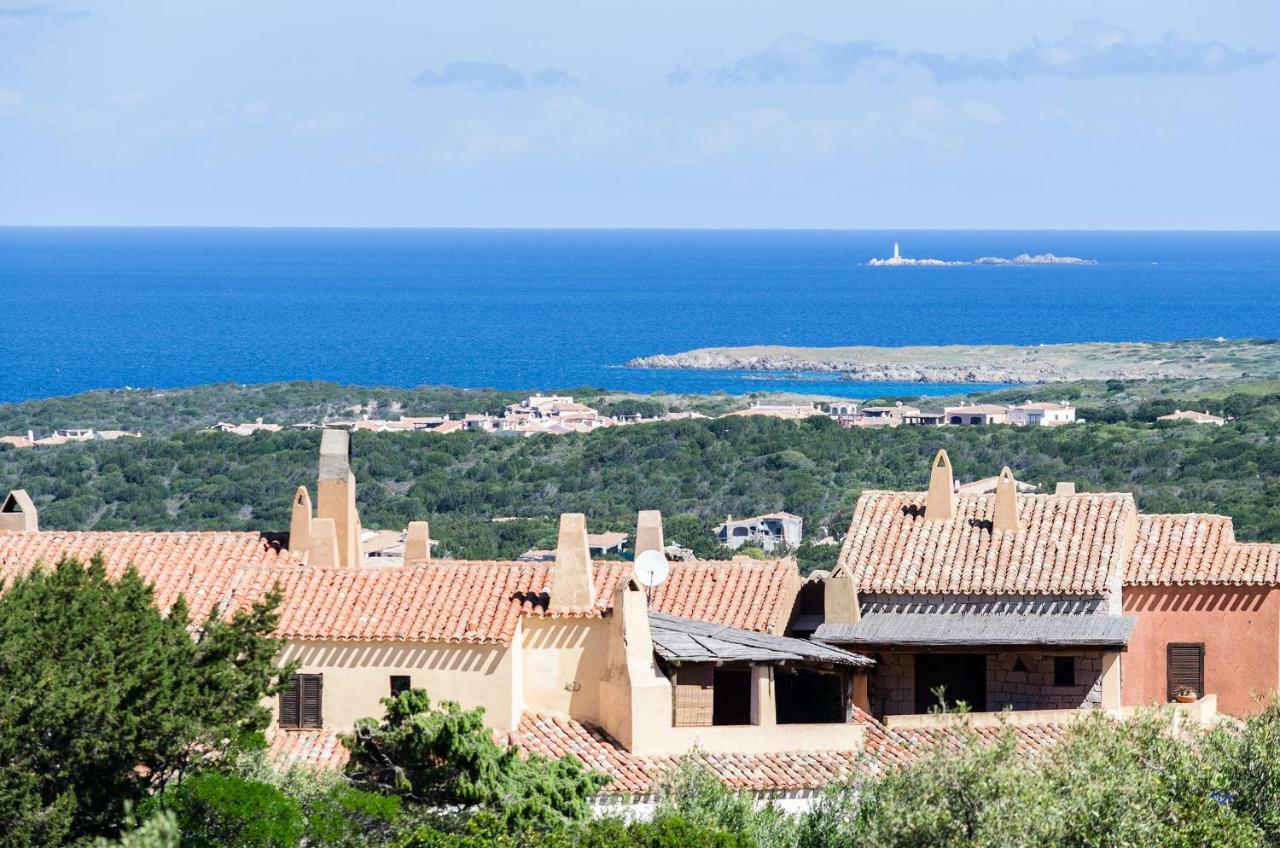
1185	668
1064	671
739	531
400	683
300	701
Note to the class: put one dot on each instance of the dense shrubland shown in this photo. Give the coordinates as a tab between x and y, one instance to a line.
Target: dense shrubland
694	471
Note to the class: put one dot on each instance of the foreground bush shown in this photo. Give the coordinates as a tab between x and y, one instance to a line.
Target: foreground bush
105	698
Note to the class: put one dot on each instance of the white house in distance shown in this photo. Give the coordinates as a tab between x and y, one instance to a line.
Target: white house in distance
1041	414
976	413
771	531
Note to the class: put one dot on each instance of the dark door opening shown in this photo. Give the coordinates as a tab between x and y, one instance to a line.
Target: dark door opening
731	696
962	676
805	696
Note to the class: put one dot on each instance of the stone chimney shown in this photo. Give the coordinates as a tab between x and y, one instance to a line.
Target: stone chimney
336	492
573	586
300	522
649	531
633	692
1065	488
417	543
324	544
18	512
1005	516
940	505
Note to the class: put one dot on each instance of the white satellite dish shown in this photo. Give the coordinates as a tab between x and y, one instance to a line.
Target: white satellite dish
651	568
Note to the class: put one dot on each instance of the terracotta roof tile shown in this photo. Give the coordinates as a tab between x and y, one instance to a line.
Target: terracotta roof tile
1067	544
1198	549
320	748
454	601
200	566
789	771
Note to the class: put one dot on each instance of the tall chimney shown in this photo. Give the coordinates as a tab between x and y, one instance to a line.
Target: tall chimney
940	505
572	581
417	542
649	531
336	492
18	512
300	522
324	544
1005	516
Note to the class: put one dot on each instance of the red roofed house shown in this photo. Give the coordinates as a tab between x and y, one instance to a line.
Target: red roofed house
1048	602
697	661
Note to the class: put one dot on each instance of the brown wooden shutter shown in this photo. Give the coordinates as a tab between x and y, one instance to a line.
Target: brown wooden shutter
693	697
1186	667
289	716
310	697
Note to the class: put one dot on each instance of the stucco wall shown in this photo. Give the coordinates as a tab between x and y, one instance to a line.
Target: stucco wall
357	675
562	663
892	683
1240	629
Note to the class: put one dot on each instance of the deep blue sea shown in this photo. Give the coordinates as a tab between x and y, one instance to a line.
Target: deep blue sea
102	308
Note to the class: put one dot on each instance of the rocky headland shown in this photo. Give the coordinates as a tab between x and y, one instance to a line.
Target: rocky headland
1191	359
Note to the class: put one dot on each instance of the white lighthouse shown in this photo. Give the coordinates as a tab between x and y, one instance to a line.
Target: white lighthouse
896	255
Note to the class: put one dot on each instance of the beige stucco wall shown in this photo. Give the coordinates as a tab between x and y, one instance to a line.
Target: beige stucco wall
562	661
357	676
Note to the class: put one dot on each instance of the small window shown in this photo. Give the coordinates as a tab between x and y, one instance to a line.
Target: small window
300	702
1185	668
1064	671
400	683
739	531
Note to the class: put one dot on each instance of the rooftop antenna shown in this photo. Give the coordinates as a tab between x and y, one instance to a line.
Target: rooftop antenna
650	569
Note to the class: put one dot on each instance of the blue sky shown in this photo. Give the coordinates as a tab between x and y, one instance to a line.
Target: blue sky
700	113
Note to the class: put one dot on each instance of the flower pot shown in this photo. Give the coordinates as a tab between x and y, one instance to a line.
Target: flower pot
1185	699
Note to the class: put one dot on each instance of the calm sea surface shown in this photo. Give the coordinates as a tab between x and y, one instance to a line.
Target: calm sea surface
100	308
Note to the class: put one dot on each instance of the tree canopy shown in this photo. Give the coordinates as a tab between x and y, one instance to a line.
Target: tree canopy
106	697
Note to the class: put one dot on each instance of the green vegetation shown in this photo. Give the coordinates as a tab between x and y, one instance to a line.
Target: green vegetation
106	699
444	757
695	471
162	412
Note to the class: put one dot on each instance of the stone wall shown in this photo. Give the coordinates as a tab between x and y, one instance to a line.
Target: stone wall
892	686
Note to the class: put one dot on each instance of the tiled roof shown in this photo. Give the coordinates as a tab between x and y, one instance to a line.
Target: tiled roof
481	601
789	771
1065	545
200	566
320	748
1197	549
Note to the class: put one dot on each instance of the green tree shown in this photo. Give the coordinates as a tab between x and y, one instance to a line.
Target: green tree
106	697
215	810
445	756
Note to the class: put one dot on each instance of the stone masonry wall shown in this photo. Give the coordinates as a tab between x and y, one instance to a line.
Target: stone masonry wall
892	686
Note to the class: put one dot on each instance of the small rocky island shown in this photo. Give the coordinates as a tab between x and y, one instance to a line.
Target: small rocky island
1190	359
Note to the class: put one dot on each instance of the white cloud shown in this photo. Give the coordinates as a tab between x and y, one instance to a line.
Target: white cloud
1093	49
492	76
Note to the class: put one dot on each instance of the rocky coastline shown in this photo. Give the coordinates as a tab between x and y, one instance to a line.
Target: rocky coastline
992	363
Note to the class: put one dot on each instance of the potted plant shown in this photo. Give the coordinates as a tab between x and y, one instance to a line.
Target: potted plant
1185	695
